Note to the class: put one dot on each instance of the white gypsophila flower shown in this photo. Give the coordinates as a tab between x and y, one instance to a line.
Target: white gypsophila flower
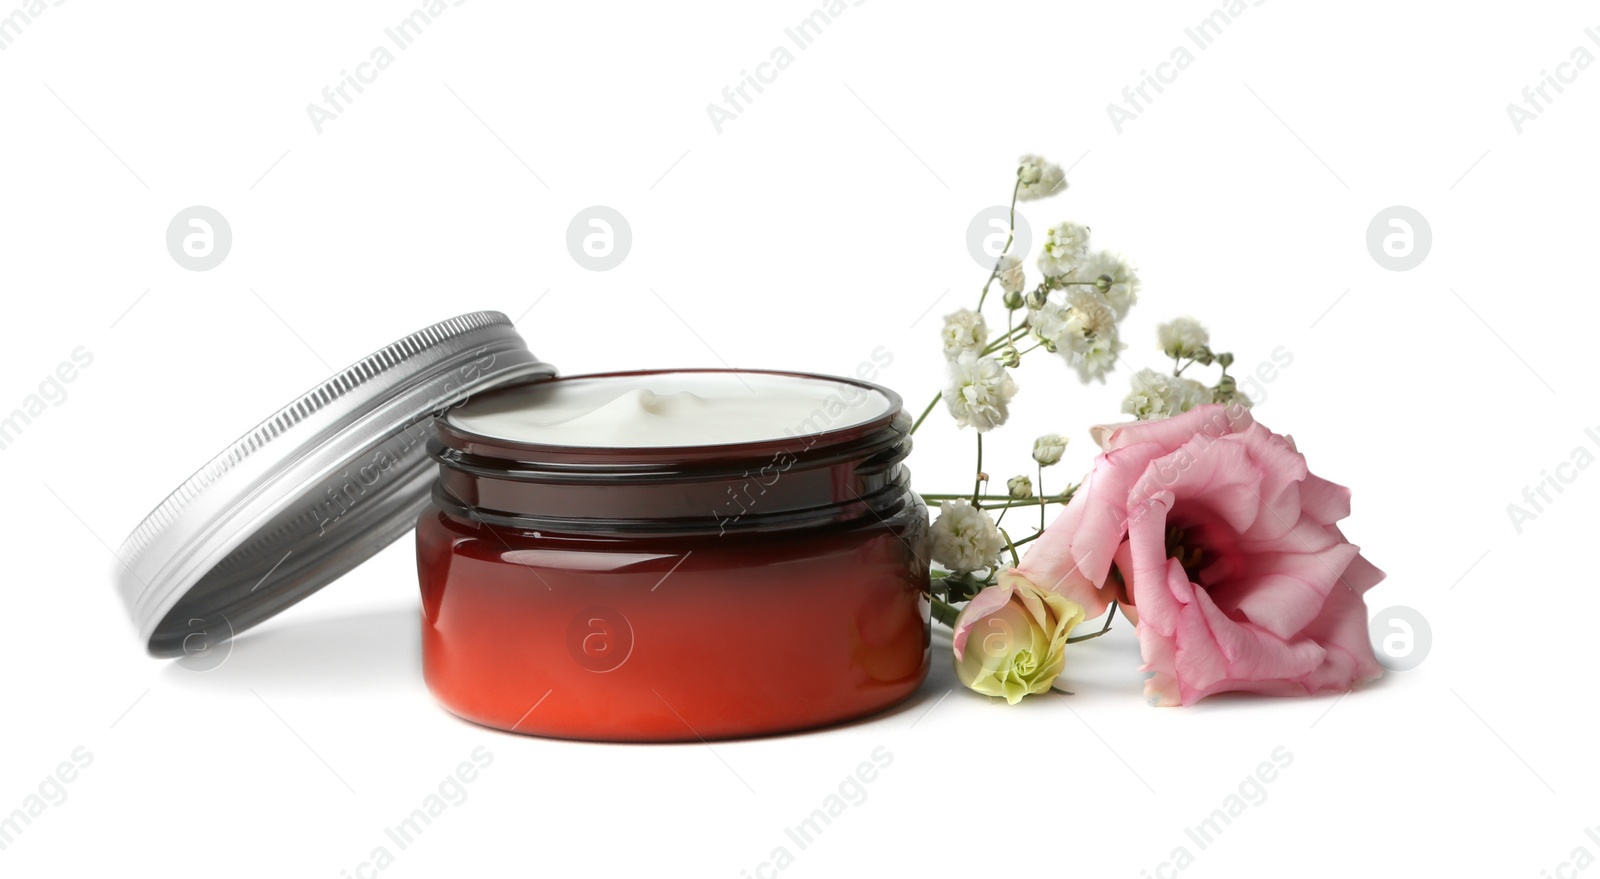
1065	246
1089	315
1182	337
1124	290
1083	331
1048	322
1012	278
965	538
964	330
1098	358
1039	178
1192	393
1019	487
979	391
1157	395
1048	449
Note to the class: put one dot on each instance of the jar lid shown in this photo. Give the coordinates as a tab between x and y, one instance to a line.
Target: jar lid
313	491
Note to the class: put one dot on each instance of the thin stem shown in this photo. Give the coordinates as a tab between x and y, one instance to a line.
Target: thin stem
977	478
1011	545
1026	503
920	418
1010	235
1008	338
1041	498
1027	540
1103	629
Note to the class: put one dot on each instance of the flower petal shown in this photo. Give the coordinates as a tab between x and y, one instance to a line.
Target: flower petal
982	605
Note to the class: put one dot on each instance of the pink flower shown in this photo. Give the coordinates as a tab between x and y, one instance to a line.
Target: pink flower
1210	532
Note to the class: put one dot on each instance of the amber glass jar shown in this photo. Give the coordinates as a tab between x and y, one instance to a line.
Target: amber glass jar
676	592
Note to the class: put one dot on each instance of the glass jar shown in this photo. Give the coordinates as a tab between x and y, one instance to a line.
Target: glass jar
676	592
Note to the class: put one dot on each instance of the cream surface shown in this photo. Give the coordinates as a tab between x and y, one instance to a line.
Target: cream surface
669	409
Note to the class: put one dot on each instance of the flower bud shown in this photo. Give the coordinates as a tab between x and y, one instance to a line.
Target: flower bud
1013	299
1226	359
1010	640
1047	449
1020	487
1010	357
1036	299
1103	283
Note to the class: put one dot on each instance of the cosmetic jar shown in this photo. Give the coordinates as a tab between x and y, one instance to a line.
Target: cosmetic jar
678	575
671	555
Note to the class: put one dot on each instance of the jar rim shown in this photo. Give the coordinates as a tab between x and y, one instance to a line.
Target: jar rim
834	475
453	435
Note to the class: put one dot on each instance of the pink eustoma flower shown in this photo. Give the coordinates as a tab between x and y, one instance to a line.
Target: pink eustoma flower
1210	532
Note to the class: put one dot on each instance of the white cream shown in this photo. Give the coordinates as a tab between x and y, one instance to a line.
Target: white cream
669	409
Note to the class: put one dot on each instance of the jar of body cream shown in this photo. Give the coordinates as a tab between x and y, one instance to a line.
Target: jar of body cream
674	555
653	556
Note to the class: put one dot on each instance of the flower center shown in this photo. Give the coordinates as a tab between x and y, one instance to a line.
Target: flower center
1189	555
1022	664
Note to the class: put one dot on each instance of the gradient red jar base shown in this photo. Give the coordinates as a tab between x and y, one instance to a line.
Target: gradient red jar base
667	639
676	592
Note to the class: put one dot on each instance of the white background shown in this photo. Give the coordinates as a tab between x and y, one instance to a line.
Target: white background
825	221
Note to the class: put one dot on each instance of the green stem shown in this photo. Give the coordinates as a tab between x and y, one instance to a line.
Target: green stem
1024	503
1027	540
920	418
945	612
977	478
1008	338
1011	545
1011	234
1112	612
1042	498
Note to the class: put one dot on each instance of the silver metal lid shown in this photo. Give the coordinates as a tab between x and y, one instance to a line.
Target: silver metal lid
313	491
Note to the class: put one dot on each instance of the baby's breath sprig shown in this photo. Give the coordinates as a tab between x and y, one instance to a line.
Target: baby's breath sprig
1073	312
